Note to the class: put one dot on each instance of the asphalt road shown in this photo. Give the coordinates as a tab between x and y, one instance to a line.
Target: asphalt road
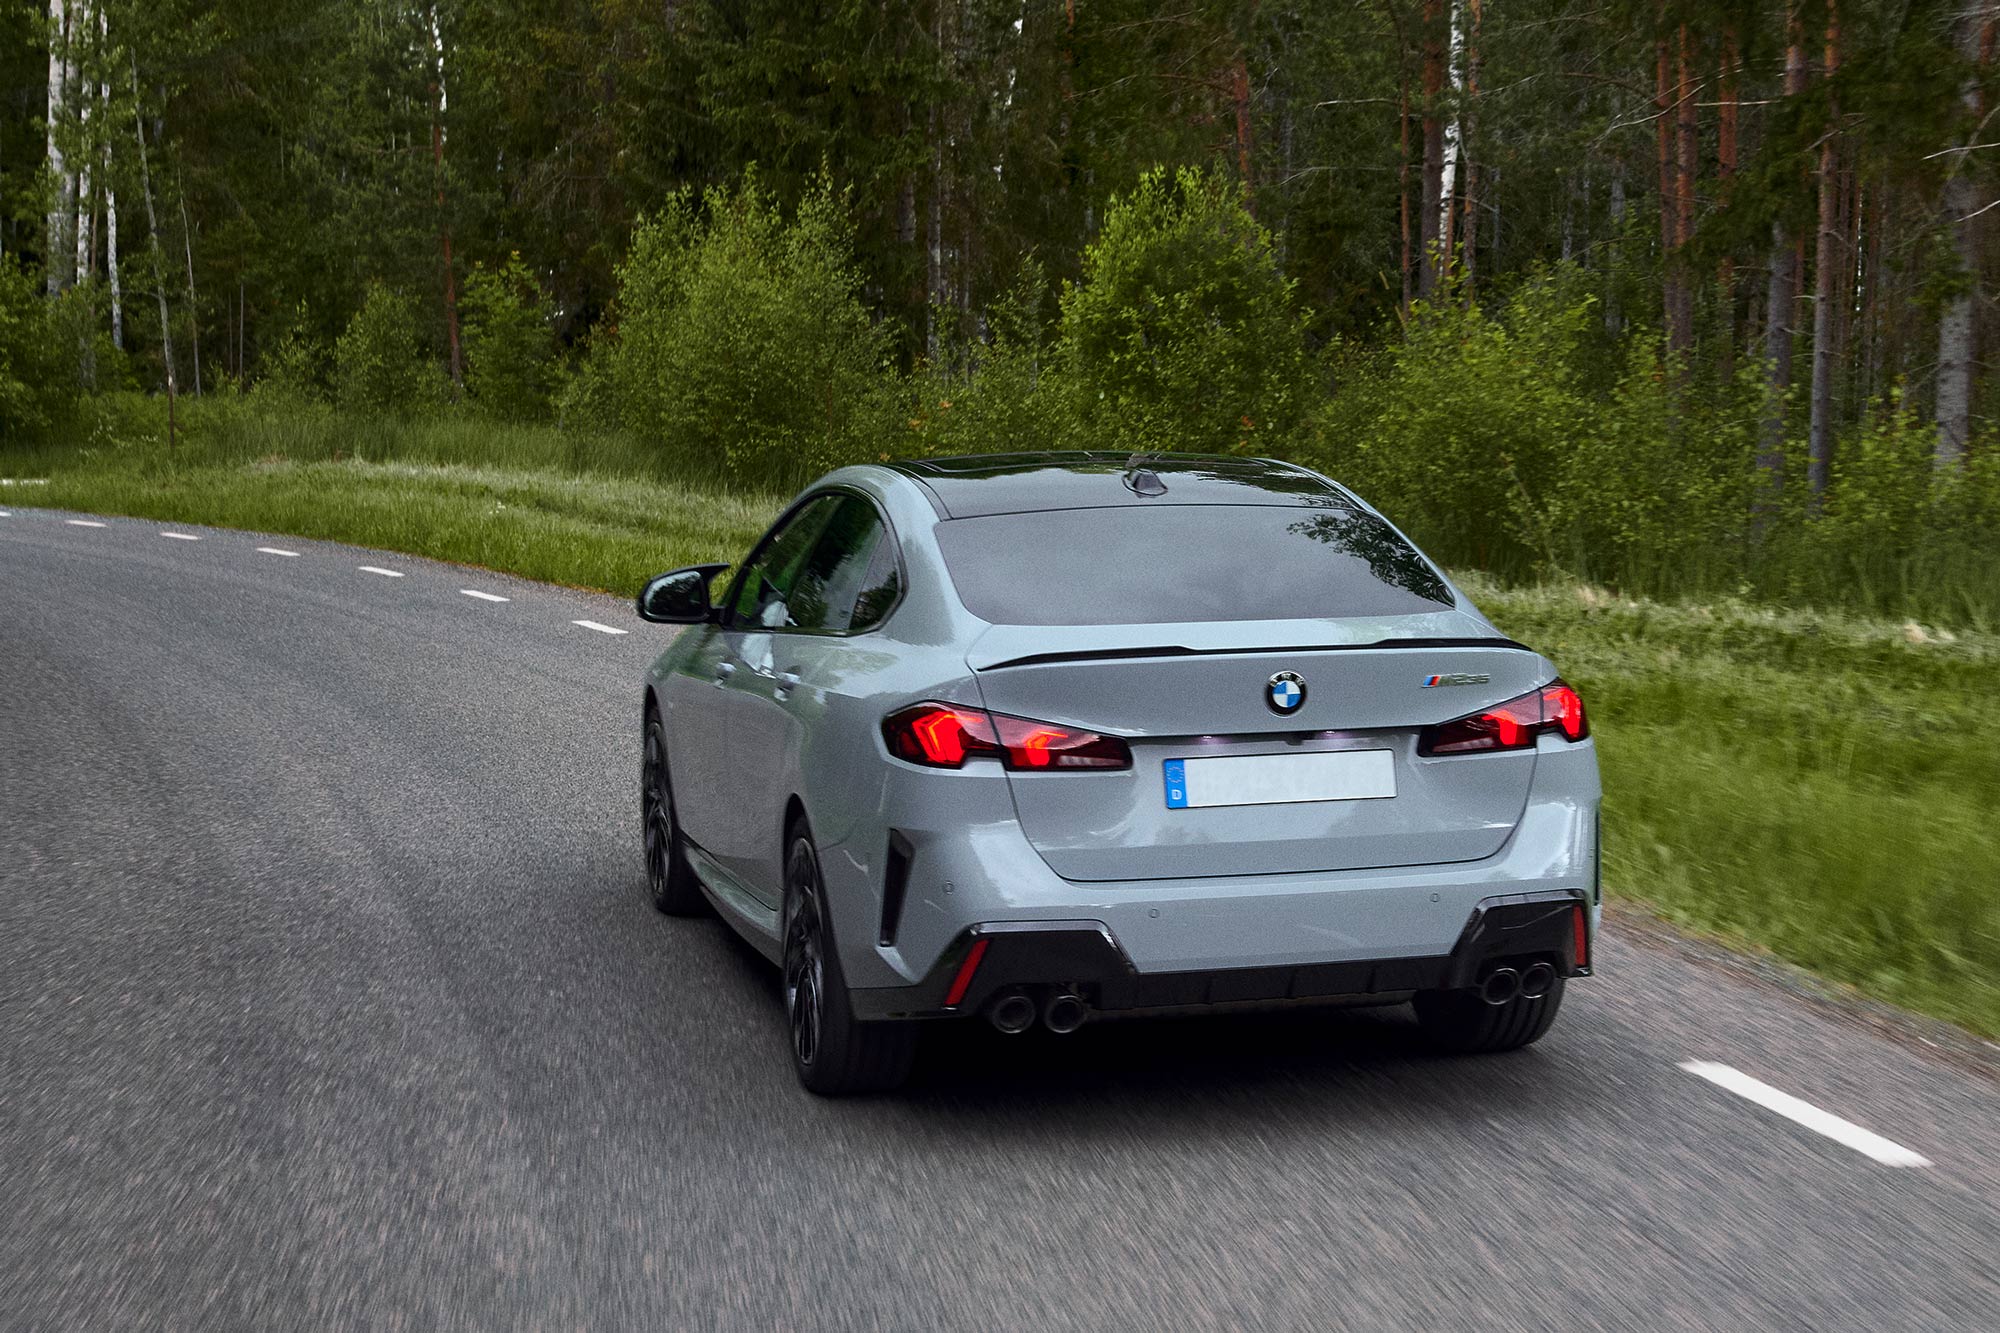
330	999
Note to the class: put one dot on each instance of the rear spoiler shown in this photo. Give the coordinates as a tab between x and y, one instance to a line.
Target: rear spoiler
1177	650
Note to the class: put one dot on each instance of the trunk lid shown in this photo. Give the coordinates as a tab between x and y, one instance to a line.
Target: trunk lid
1196	692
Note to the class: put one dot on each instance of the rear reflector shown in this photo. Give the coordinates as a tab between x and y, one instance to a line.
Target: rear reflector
962	983
940	735
1582	951
1512	725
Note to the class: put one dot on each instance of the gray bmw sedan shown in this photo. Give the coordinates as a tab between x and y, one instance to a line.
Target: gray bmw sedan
1037	737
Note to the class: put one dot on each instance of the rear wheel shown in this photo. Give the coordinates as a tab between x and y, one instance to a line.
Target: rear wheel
670	880
832	1052
1461	1022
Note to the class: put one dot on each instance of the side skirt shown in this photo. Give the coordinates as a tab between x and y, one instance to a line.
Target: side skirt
737	905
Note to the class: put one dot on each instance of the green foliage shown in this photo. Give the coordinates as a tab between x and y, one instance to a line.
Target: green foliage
297	368
1484	436
509	355
1183	334
379	363
37	368
743	346
1007	396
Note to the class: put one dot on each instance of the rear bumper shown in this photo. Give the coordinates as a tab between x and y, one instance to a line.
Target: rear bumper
1085	957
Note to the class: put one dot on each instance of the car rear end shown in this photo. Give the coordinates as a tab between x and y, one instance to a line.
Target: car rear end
1253	751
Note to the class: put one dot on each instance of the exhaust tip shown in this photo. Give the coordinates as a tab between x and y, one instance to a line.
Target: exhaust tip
1501	985
1537	979
1065	1012
1013	1012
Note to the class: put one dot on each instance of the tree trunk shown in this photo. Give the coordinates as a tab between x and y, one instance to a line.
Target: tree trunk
1403	179
1725	170
1827	287
1670	227
1614	312
1239	85
438	107
1431	261
1780	307
81	27
153	233
1680	329
110	192
1470	245
1961	202
194	324
1454	136
56	241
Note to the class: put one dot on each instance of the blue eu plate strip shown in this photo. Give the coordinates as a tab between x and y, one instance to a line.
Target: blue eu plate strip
1176	784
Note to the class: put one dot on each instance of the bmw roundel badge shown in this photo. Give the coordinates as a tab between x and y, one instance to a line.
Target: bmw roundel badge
1286	693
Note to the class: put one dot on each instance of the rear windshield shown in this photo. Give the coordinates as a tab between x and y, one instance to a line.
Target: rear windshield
1157	564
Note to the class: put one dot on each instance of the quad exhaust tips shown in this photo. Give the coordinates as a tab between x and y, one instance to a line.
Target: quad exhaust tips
1536	980
1012	1012
1064	1012
1501	985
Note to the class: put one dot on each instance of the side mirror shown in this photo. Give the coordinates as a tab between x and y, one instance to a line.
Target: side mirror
679	597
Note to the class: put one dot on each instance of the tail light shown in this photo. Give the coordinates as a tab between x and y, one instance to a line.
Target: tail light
946	735
1513	725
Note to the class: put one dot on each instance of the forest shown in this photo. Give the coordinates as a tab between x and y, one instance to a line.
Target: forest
1685	296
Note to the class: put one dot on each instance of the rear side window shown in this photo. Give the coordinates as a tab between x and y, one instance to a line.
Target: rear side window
1154	565
842	584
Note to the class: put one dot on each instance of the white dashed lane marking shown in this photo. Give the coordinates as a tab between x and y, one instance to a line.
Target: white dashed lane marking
5	514
1845	1132
83	522
377	569
482	596
274	550
601	629
181	536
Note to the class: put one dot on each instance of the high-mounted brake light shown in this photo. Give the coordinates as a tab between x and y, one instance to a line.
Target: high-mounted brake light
1512	725
941	735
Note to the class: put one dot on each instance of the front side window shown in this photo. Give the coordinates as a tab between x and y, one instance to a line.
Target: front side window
763	592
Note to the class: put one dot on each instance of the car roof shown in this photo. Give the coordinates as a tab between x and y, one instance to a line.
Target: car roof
985	484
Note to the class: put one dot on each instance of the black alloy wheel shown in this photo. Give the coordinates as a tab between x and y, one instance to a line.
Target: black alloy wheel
670	881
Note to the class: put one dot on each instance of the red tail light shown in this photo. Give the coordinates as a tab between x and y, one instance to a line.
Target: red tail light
946	735
1512	725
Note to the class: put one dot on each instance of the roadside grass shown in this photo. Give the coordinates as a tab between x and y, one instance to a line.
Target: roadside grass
1816	786
1819	787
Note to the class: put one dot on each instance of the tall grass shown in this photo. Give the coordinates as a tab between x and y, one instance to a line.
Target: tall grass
1818	786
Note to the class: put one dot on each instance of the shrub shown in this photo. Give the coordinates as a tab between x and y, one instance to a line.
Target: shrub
1182	333
379	363
1464	429
509	353
743	346
38	368
296	370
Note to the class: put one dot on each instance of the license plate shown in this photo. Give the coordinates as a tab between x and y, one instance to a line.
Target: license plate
1280	779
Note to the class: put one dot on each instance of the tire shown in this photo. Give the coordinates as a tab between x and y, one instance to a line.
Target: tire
832	1053
1460	1022
670	880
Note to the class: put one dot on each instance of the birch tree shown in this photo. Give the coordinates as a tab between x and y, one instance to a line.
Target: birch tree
1961	205
56	240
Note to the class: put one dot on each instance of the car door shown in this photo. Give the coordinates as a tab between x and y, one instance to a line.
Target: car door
788	660
702	754
748	724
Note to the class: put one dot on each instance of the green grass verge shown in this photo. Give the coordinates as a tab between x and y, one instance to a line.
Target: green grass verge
1818	787
1821	788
